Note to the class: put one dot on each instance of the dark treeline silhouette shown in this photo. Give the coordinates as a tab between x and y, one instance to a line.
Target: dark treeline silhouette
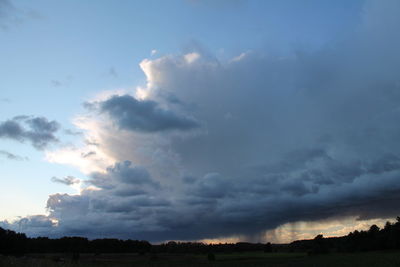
357	241
12	243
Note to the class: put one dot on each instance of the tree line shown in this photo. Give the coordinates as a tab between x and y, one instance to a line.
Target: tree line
12	243
358	241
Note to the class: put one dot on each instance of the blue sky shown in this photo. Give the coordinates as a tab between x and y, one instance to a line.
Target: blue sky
55	56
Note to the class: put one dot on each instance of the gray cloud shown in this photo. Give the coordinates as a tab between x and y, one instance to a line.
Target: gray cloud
10	15
62	82
144	116
56	83
217	206
40	224
88	154
72	132
123	173
68	180
11	156
37	130
112	72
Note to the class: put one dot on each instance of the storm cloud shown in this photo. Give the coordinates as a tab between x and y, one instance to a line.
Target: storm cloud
144	116
310	136
37	130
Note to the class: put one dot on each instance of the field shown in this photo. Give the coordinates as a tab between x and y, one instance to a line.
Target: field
378	259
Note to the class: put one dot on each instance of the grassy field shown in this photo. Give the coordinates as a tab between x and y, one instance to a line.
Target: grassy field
378	259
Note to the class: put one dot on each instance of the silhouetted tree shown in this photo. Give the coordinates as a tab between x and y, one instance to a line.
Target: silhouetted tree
268	247
320	245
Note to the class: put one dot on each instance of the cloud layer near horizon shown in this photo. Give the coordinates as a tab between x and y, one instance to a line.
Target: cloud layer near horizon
209	149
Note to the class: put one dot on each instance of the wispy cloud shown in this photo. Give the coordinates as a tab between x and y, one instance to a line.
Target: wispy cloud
68	180
12	156
10	15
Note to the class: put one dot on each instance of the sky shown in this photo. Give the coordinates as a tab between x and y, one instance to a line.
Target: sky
197	119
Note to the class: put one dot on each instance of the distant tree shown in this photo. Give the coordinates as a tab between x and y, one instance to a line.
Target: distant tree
373	230
319	245
388	225
268	248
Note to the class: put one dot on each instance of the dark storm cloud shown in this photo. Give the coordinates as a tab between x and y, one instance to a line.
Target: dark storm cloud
123	173
144	116
211	186
37	130
11	156
127	192
213	205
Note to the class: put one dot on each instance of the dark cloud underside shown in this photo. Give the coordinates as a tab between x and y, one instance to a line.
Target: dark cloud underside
144	116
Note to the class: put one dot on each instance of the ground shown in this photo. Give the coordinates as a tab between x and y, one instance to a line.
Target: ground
378	259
